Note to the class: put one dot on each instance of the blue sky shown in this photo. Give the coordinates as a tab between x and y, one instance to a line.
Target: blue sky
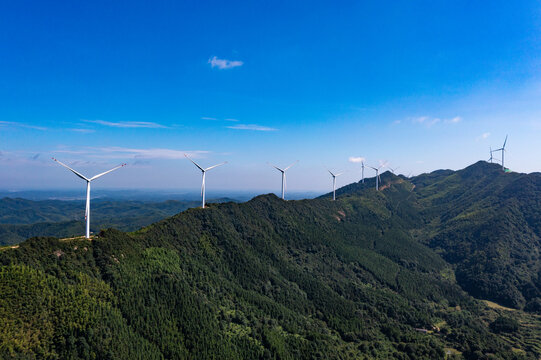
421	84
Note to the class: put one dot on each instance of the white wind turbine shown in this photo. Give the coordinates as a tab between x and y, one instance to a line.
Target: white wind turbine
88	180
334	183
362	171
378	179
203	171
283	171
503	152
490	159
393	170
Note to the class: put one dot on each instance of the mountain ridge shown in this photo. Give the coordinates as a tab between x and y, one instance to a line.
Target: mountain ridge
352	278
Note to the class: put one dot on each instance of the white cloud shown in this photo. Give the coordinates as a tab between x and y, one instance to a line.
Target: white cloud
17	124
356	159
429	121
151	153
208	118
483	136
128	124
117	152
420	119
233	120
251	127
454	120
83	131
223	63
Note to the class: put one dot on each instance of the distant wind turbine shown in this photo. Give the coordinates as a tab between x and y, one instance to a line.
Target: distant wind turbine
283	171
88	180
204	172
334	183
393	170
502	149
362	172
490	159
378	179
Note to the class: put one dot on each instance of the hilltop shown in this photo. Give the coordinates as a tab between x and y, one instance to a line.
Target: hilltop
372	275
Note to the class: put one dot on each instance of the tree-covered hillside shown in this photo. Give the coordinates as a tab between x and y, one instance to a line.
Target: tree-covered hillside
486	223
267	279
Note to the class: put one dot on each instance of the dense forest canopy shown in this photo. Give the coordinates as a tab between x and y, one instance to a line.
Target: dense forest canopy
389	274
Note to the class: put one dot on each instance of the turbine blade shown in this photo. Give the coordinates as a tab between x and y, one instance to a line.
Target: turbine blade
73	171
276	167
106	172
213	166
196	164
503	147
291	165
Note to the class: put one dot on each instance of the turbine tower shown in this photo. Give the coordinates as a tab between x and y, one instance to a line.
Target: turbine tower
502	149
362	172
334	183
283	171
88	180
378	179
203	171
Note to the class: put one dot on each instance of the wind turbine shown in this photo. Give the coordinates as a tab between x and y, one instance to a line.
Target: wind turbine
490	159
378	179
203	171
503	152
283	171
393	170
362	172
334	183
88	180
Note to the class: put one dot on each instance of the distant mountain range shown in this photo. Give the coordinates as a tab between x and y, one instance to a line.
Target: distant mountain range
374	275
21	219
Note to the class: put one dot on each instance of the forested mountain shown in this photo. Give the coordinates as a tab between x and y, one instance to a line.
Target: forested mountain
371	275
21	219
488	225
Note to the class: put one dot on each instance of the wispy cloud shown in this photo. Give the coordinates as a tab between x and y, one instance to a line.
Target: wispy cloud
233	120
483	136
252	127
454	120
128	124
22	125
356	159
208	118
430	121
151	153
83	131
224	63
